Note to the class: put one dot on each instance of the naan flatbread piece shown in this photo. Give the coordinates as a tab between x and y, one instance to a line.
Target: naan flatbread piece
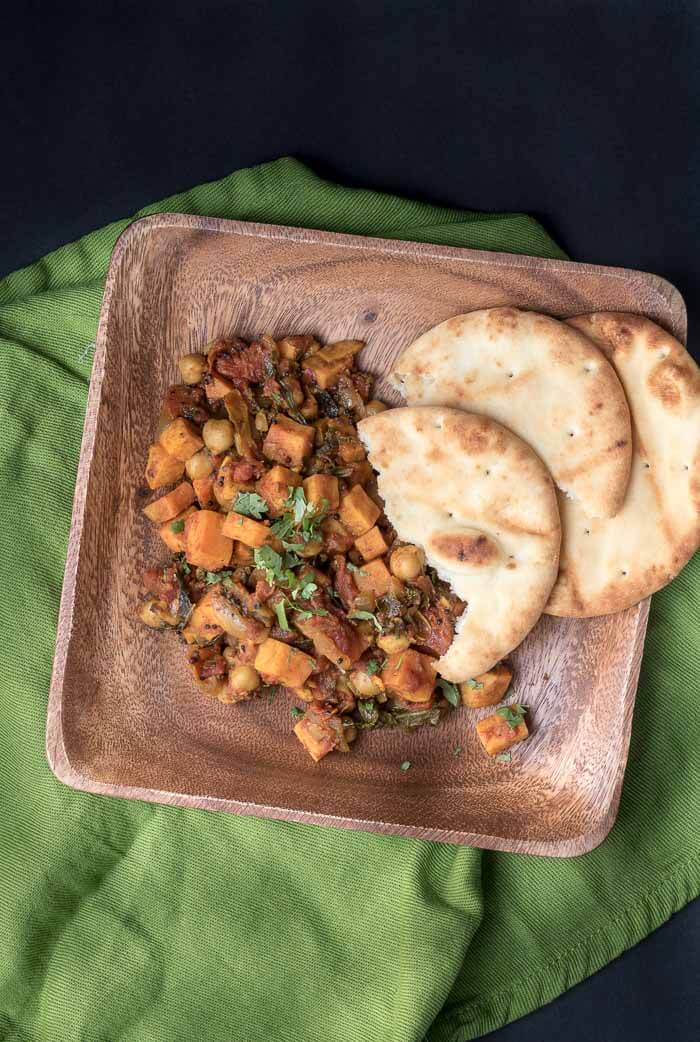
608	565
541	378
482	506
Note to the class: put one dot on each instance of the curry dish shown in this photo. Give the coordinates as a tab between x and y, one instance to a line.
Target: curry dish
285	575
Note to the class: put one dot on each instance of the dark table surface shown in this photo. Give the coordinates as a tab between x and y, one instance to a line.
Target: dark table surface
584	114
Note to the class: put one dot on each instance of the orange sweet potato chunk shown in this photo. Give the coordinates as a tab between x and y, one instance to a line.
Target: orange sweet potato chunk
246	530
411	675
173	532
283	663
170	505
372	544
206	545
180	439
357	511
162	468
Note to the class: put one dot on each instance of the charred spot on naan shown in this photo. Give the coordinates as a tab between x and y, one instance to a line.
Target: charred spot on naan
464	548
672	381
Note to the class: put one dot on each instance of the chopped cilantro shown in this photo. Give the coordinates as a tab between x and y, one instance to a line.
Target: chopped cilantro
457	750
308	613
281	614
216	577
512	714
250	504
367	708
405	765
475	685
504	757
296	502
368	616
177	526
450	691
373	666
270	561
296	713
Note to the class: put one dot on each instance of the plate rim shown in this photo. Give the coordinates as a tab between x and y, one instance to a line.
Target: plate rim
676	320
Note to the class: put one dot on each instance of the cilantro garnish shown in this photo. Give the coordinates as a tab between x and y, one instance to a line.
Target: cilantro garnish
504	757
373	666
449	691
475	685
296	713
405	765
457	750
367	708
177	526
512	714
281	615
250	504
216	577
368	616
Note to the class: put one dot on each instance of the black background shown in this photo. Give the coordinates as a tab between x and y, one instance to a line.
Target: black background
584	114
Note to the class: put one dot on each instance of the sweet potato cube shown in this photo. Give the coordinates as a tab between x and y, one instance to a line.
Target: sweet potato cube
162	468
332	360
216	387
170	505
488	688
497	735
242	554
173	532
288	442
246	530
411	675
372	544
283	663
180	439
204	490
206	545
373	577
357	511
274	487
316	733
320	487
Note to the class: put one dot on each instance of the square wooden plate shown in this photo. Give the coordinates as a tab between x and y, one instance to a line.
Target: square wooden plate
124	717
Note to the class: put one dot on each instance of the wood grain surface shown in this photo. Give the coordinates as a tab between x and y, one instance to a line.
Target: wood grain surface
124	717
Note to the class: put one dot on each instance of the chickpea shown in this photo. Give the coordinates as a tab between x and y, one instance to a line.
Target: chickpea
364	685
244	678
407	562
393	643
365	601
199	465
375	406
219	435
192	368
230	656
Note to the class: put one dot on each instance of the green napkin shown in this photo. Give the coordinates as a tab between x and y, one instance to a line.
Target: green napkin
129	922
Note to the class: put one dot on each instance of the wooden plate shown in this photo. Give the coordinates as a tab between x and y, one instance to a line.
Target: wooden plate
124	717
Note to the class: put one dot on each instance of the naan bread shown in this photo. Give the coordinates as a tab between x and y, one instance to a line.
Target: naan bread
484	509
611	564
540	378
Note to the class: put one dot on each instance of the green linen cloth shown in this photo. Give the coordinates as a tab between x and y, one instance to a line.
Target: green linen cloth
129	922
